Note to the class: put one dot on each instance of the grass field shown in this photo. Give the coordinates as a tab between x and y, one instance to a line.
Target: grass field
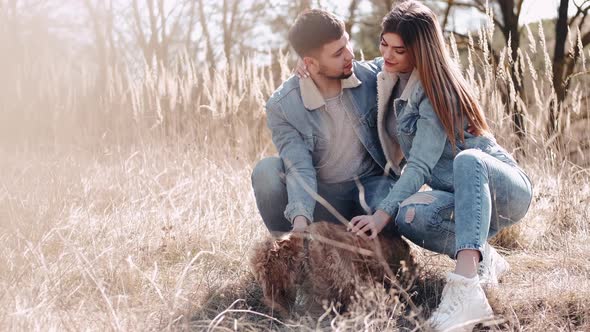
130	208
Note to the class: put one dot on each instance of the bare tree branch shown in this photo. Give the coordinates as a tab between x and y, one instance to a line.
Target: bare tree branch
477	4
580	11
352	9
447	13
207	37
141	39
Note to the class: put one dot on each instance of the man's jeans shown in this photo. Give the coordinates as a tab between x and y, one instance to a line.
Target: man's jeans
268	181
489	195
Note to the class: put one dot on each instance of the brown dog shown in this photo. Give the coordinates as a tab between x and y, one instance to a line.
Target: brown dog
327	264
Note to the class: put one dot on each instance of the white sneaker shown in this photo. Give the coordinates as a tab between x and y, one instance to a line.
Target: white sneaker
492	267
463	305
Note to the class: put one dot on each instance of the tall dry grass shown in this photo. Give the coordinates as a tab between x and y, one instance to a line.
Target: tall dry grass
129	207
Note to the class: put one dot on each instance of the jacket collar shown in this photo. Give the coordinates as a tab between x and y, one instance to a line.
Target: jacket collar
411	85
313	99
386	81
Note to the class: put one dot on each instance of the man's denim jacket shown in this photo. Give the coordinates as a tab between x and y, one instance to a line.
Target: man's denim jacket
292	116
424	142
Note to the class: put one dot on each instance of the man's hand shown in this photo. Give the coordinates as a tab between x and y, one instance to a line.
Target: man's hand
299	224
368	227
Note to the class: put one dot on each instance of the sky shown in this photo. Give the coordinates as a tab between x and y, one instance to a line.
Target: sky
532	11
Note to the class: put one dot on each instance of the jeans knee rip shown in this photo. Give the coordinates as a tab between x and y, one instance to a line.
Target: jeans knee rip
410	214
419	198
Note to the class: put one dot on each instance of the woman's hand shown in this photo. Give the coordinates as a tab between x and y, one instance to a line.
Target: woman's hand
301	69
368	227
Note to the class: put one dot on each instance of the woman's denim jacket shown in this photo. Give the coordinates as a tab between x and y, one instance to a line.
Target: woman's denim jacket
423	140
296	128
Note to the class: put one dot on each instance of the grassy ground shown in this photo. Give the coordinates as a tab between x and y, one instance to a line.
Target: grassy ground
157	236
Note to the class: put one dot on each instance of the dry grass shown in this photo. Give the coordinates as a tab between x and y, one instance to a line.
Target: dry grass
131	208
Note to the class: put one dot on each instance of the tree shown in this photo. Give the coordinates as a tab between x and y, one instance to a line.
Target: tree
509	12
564	64
102	16
210	57
369	30
352	13
157	32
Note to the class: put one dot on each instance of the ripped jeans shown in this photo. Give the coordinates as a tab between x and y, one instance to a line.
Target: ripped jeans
489	195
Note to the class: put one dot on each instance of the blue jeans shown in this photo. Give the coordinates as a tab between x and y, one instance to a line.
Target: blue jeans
490	194
270	190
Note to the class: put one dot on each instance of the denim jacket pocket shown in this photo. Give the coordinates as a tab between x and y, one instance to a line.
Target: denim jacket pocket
406	123
319	150
504	156
483	143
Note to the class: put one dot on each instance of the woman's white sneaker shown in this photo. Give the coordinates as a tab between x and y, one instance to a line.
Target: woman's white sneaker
462	306
492	267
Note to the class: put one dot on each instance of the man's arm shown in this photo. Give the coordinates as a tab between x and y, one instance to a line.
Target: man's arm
297	159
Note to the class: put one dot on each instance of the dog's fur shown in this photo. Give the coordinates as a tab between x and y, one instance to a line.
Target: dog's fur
326	264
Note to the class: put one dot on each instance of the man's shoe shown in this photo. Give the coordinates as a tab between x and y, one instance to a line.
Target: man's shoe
463	304
492	267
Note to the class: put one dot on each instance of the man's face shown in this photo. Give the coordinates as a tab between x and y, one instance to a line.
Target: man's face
334	60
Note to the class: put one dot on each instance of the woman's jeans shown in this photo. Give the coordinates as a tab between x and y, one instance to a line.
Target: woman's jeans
489	195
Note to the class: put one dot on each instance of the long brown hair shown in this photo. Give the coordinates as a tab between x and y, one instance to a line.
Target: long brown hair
444	85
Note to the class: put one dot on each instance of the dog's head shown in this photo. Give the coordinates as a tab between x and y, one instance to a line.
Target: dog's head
276	264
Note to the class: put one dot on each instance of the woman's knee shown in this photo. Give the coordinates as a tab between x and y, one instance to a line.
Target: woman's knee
426	218
425	210
469	160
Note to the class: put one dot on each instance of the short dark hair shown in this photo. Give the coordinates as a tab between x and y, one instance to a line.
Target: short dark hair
313	29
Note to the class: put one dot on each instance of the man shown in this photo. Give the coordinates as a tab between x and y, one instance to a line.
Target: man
325	130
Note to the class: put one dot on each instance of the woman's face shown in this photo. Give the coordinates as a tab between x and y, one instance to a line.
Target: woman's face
394	52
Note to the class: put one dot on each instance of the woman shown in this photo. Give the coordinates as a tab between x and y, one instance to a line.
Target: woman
427	112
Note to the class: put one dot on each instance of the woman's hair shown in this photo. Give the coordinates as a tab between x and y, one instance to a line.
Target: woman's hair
443	83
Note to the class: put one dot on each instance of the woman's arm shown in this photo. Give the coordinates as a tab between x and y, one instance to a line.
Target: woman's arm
427	148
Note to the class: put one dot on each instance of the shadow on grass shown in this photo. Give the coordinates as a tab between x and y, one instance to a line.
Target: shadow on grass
240	304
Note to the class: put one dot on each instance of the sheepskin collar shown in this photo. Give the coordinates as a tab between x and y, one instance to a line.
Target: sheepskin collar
310	93
386	81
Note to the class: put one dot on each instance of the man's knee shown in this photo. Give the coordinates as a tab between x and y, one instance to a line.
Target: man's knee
268	171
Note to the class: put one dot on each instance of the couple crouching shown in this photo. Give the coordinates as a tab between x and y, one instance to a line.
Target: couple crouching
344	130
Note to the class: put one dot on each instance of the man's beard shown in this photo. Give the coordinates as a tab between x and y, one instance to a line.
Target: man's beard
344	76
341	76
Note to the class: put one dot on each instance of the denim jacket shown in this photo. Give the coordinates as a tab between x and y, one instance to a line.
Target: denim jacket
292	116
423	140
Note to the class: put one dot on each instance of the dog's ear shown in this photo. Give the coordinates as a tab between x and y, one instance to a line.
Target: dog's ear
275	264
